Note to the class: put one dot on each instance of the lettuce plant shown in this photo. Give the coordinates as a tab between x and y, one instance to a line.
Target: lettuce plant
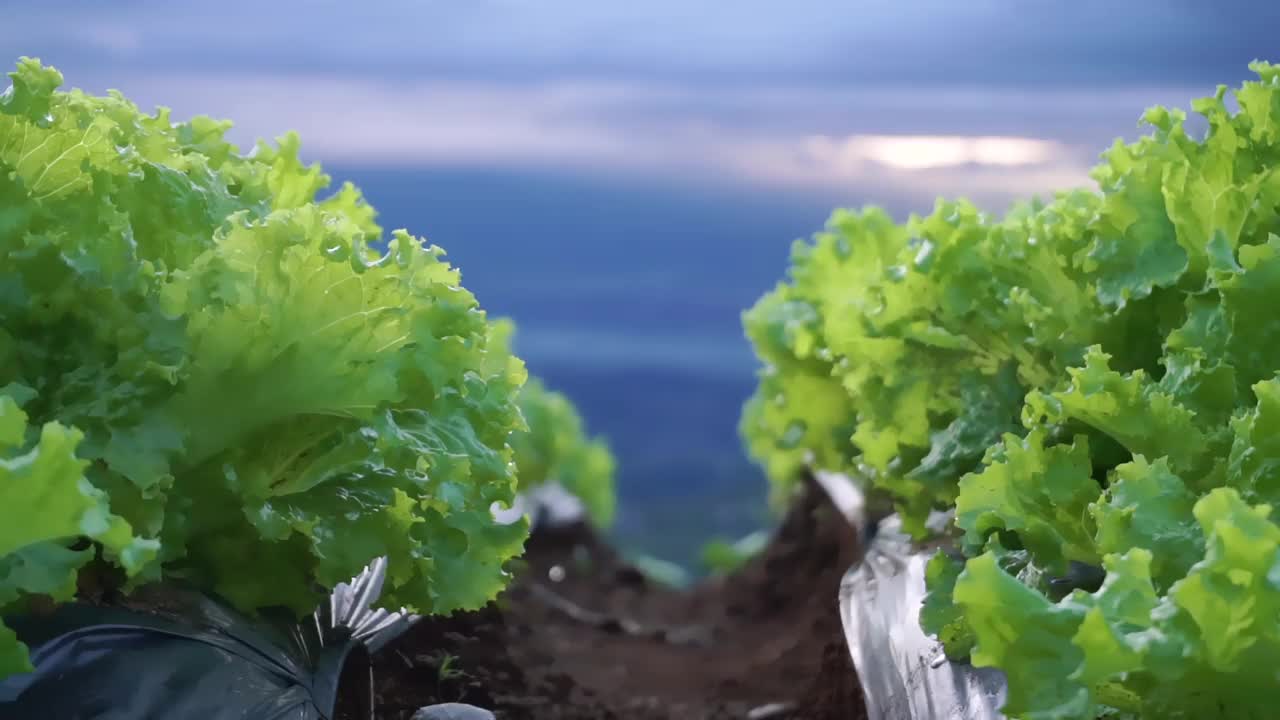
1089	382
221	377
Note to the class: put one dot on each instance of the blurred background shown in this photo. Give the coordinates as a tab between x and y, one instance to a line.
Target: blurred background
625	179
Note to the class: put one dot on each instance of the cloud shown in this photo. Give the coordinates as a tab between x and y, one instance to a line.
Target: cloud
829	43
926	152
975	142
990	171
825	96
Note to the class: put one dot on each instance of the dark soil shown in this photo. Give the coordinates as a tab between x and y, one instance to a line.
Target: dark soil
581	634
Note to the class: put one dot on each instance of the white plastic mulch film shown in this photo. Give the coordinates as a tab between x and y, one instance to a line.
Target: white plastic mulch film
903	672
548	504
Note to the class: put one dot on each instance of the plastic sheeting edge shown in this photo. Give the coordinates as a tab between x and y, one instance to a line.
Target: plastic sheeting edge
903	672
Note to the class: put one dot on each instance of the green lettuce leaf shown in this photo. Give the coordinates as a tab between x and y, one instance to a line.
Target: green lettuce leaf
1038	492
46	504
261	382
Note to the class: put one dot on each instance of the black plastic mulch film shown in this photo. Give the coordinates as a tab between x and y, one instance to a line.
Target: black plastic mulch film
204	661
199	659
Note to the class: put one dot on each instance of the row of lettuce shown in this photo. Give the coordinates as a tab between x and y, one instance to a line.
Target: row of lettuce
210	374
1090	385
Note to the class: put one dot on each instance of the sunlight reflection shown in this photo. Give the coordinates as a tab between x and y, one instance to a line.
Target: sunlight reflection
921	152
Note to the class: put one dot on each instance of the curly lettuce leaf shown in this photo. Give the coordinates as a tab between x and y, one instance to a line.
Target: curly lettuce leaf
939	615
1205	649
46	504
263	382
1147	506
1131	409
799	416
1021	632
1039	493
934	330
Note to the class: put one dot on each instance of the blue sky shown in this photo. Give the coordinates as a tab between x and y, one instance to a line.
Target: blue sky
883	100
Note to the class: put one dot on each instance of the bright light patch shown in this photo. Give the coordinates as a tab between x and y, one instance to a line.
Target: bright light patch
922	152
